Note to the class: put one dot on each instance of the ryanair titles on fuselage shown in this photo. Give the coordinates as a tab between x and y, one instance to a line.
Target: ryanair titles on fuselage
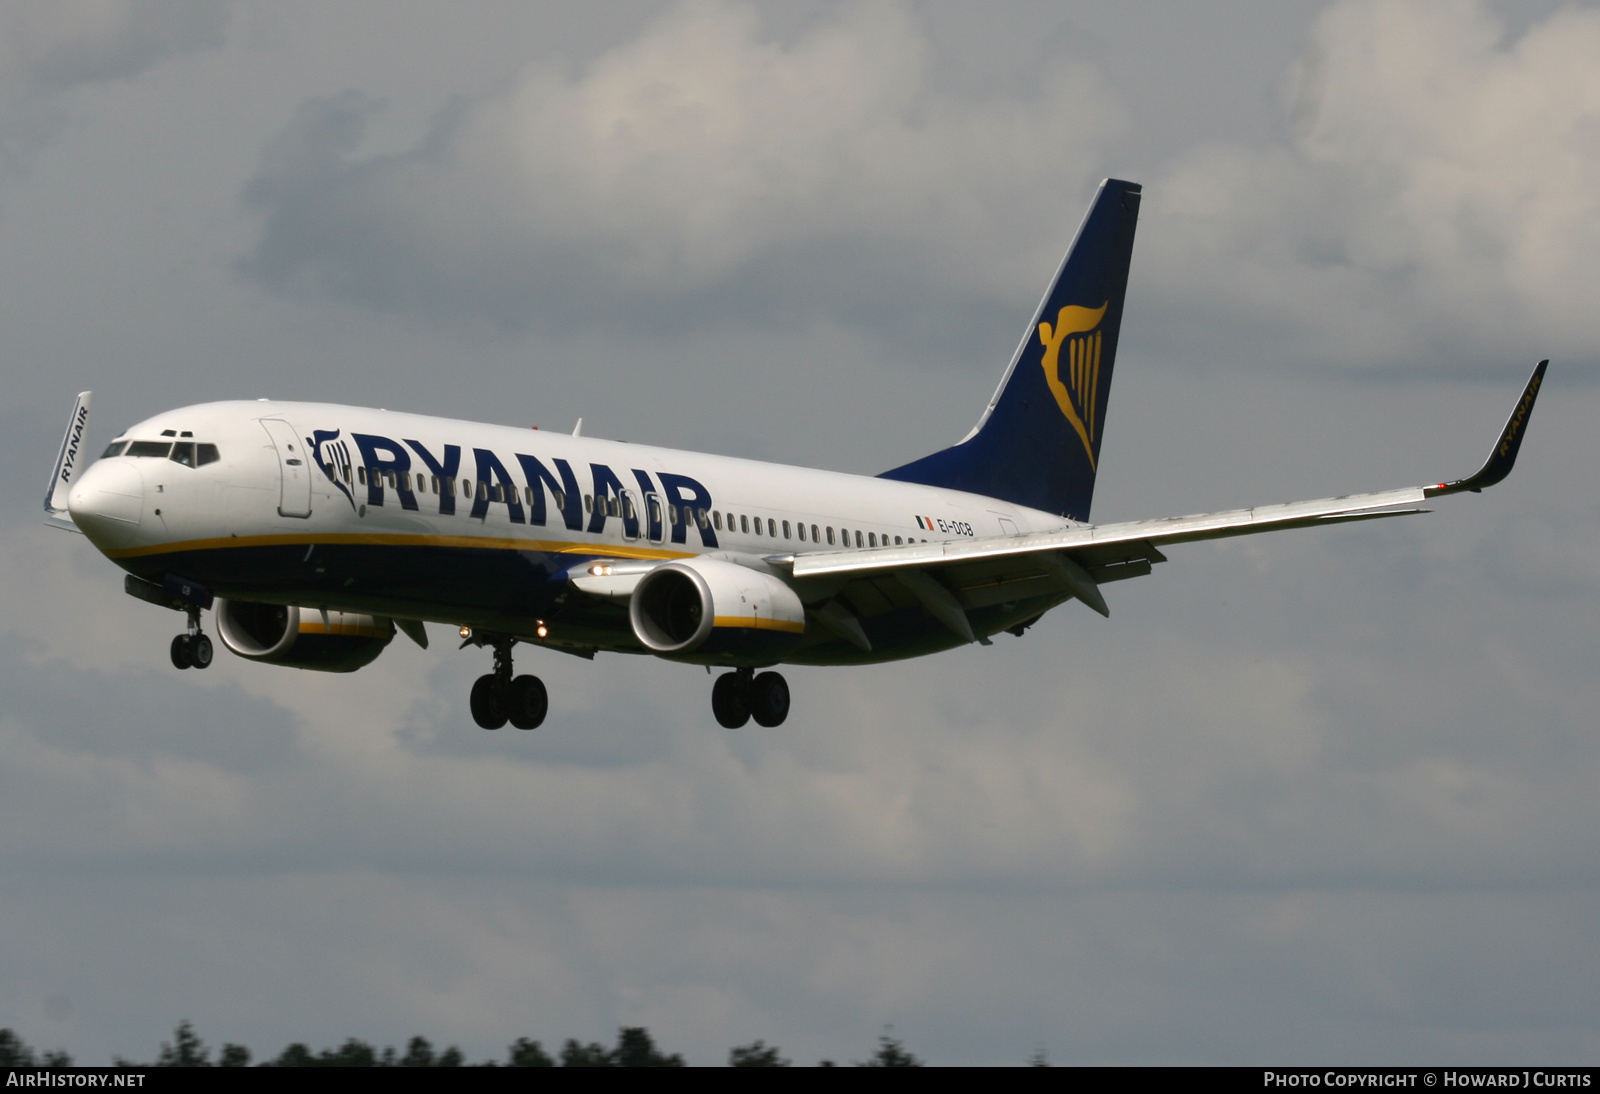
411	470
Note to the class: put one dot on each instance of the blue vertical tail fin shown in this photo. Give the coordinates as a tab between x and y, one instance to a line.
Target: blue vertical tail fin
1038	442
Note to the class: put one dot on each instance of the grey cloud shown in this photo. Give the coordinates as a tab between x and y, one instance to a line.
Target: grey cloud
92	41
50	49
79	714
701	163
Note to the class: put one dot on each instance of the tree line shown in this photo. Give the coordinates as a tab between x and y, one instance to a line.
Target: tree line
634	1048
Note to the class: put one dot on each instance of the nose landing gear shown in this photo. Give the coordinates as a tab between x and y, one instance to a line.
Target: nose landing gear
741	695
498	698
192	649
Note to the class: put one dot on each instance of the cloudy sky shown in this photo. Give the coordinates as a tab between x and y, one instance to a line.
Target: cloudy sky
1321	795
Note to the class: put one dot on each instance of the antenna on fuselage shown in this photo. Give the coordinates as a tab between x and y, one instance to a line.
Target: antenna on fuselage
577	430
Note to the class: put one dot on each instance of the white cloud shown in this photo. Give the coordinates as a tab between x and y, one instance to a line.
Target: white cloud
699	154
1439	195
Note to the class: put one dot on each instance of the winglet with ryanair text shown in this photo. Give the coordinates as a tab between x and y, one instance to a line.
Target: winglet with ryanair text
1504	455
68	461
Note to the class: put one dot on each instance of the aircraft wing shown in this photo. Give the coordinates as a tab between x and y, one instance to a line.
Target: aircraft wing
954	576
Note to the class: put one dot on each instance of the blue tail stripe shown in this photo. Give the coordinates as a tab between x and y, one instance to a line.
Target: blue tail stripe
1038	443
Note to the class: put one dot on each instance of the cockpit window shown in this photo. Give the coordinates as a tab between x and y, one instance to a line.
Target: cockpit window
158	449
113	449
183	452
207	453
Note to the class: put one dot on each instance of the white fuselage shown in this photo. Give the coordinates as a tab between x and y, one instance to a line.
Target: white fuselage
356	509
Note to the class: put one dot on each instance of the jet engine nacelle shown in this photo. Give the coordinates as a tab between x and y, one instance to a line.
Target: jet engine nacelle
716	612
302	638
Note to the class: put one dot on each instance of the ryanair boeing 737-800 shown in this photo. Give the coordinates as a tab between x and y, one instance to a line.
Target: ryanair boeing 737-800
314	531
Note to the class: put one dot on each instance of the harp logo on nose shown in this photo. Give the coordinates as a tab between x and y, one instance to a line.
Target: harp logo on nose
1077	331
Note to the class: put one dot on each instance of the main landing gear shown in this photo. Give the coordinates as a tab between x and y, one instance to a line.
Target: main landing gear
498	697
741	695
191	649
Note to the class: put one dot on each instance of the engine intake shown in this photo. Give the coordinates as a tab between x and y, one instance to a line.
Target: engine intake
705	609
282	634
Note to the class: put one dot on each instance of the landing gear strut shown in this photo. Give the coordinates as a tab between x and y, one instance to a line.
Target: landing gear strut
741	695
191	649
498	697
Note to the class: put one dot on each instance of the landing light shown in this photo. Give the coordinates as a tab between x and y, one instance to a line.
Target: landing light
466	632
599	570
543	630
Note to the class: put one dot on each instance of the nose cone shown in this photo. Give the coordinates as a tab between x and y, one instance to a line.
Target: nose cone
107	502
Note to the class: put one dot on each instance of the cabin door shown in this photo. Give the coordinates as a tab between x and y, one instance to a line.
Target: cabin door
294	468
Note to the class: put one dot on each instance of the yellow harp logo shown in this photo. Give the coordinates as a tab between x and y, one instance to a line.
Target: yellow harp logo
1076	395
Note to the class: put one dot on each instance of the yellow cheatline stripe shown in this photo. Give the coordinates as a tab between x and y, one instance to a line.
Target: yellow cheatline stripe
384	539
342	629
757	623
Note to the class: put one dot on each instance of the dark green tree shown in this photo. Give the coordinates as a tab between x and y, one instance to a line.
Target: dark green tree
756	1054
526	1053
891	1053
233	1056
353	1053
14	1052
295	1055
591	1055
186	1049
635	1048
419	1053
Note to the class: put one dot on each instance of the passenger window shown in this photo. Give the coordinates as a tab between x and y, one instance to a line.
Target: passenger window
702	518
897	541
744	524
588	503
830	535
814	538
716	519
183	453
561	499
772	528
858	537
113	449
361	476
872	539
800	530
157	449
207	453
